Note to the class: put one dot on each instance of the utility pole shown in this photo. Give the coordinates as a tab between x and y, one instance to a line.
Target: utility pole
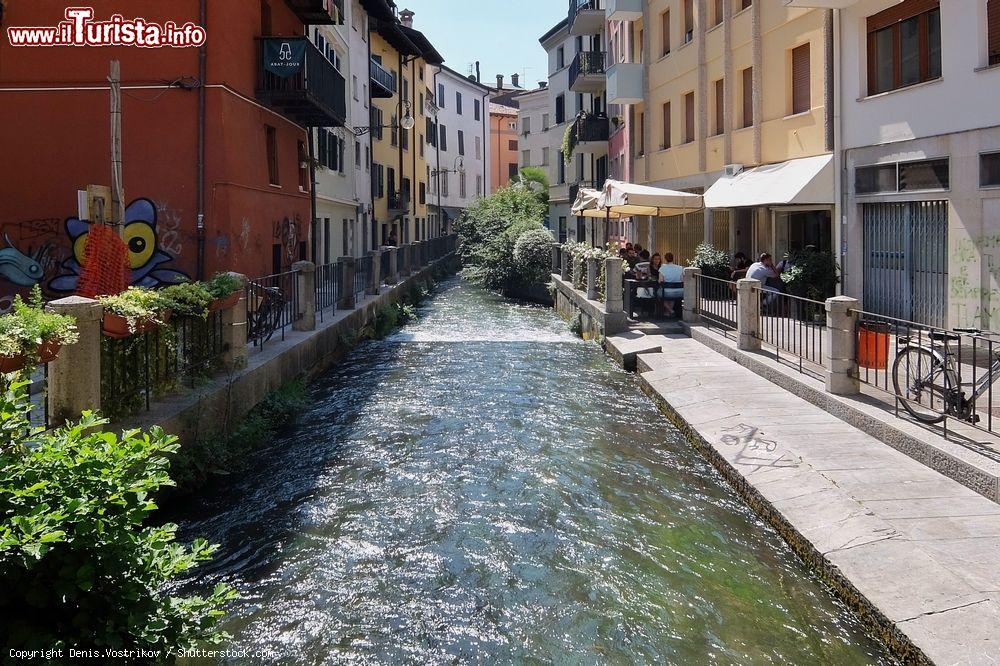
117	186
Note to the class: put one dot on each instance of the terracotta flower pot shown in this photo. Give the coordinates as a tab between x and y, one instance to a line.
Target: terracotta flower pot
10	364
48	351
224	303
115	326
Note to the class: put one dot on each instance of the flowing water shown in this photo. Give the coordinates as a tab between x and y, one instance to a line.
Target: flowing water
484	487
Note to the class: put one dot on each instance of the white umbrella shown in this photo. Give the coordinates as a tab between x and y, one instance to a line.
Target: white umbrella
629	199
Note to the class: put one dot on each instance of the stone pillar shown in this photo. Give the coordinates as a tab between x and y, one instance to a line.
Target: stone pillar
234	329
75	376
577	272
748	314
840	354
591	279
348	302
613	294
404	259
566	261
556	257
306	279
692	282
372	288
393	265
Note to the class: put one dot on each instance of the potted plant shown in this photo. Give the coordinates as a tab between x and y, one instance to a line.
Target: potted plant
136	310
225	289
30	335
188	299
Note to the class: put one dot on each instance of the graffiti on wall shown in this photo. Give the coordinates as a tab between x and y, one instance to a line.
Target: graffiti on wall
286	233
146	256
31	259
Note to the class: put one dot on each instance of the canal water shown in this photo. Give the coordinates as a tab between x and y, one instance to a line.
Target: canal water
484	487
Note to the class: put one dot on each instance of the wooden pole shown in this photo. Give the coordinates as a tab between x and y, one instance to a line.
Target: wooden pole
117	186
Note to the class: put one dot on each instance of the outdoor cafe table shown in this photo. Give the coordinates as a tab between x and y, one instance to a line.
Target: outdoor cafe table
631	288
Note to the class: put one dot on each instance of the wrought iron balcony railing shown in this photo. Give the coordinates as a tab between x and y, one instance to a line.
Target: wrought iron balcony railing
592	129
298	81
578	6
383	81
587	63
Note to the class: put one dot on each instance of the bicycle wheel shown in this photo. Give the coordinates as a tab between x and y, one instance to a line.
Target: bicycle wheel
923	384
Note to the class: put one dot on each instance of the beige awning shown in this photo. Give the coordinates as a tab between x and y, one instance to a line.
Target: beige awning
586	205
630	199
805	181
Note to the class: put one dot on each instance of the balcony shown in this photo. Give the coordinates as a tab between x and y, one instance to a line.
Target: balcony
625	83
399	203
299	82
586	73
383	81
318	12
624	10
586	17
592	133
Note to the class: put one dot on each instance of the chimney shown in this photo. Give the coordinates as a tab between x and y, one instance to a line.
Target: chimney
478	80
406	18
499	81
513	80
543	84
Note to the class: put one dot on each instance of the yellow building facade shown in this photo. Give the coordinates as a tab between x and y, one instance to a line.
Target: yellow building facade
735	89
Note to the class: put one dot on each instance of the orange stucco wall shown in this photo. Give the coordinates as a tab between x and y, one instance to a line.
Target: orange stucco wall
501	135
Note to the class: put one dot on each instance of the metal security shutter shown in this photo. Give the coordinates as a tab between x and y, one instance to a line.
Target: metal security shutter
906	260
993	23
721	230
688	117
801	97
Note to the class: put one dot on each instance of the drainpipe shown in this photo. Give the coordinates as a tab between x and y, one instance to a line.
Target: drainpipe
311	147
399	137
415	183
371	147
839	167
200	186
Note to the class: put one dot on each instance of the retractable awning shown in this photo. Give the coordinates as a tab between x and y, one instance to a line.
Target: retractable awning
805	181
585	205
630	199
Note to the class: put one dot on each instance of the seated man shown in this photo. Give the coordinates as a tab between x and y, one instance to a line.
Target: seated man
672	278
765	272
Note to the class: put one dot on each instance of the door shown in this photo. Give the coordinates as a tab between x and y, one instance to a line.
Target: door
906	260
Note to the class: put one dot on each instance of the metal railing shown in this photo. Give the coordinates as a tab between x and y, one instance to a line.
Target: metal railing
383	77
717	304
592	129
314	96
932	373
792	325
329	288
272	306
587	63
577	6
363	267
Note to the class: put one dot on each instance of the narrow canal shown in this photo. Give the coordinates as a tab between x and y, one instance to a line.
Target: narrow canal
483	487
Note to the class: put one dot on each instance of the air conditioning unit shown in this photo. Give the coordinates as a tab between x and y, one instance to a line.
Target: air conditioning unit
733	170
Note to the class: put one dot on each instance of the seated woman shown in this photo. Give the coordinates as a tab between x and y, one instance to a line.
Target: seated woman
672	279
653	271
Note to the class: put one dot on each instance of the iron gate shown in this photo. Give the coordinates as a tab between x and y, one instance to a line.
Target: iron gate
906	260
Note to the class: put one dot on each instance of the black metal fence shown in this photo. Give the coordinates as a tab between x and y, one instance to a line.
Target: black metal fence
272	306
792	326
717	304
363	267
329	288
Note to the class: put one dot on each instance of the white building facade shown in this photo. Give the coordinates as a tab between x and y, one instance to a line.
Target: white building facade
920	132
458	152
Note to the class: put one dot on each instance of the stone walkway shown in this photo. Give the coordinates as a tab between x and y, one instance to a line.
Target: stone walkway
916	550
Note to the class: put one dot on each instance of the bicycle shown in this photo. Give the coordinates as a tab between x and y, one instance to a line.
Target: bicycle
925	374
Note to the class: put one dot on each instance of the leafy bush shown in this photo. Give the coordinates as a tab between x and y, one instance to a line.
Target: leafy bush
533	255
136	305
812	275
187	299
222	285
712	262
78	564
29	325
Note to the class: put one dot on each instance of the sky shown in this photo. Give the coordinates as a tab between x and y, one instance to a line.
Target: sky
501	34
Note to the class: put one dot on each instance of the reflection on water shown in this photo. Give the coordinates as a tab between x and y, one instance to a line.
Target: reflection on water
484	487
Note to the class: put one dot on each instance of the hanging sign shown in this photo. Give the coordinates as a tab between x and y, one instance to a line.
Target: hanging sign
284	58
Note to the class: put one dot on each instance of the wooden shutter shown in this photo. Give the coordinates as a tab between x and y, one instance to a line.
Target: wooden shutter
801	98
665	32
718	12
689	117
900	12
666	125
748	97
720	108
993	23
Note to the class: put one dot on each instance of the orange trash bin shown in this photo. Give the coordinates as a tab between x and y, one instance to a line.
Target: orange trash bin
873	345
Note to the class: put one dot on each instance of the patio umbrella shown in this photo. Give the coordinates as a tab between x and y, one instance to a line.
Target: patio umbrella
628	199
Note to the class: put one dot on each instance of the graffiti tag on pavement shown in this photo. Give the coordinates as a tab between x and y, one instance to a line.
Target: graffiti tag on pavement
749	437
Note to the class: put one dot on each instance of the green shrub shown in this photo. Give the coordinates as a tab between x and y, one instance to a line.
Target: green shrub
713	262
29	325
812	275
187	299
79	566
137	305
222	285
533	255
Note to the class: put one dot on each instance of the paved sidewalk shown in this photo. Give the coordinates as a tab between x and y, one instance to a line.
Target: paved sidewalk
896	537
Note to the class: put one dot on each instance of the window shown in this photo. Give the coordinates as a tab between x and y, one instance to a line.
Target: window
512	145
444	138
423	193
461	185
545	156
458	103
560	58
748	97
526	157
904	46
993	31
903	177
357	154
440	98
461	142
377	123
642	134
420	143
476	108
689	117
545	122
479	186
688	20
526	125
444	182
271	139
431	132
989	170
479	147
560	109
743	4
512	170
720	107
561	168
354	87
665	32
801	97
394	130
718	10
404	139
666	126
378	181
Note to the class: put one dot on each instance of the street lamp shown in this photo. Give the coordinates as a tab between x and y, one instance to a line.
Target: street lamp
457	167
407	123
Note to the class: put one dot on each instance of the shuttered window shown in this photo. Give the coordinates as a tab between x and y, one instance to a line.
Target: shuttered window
742	4
689	117
718	12
665	32
748	97
688	20
904	45
720	109
801	98
993	23
666	125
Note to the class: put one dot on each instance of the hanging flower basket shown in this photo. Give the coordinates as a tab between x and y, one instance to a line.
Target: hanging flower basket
229	301
116	326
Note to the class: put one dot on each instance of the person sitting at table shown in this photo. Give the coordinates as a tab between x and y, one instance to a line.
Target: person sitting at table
644	255
672	278
653	271
740	266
